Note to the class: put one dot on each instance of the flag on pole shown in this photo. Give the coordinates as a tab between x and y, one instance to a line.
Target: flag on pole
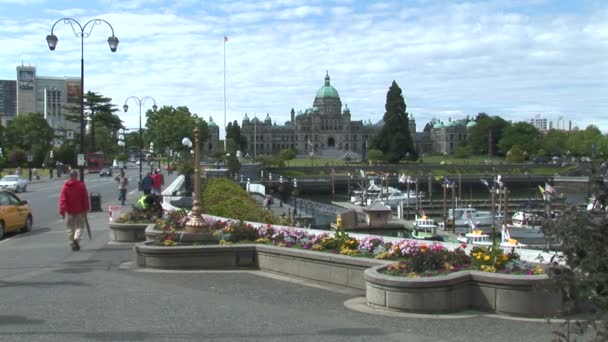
362	173
225	39
499	182
402	179
542	191
505	234
484	182
549	189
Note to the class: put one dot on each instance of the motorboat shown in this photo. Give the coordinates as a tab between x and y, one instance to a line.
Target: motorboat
477	237
395	198
425	228
388	195
526	226
460	217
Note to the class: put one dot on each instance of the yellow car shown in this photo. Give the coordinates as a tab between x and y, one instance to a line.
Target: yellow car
15	214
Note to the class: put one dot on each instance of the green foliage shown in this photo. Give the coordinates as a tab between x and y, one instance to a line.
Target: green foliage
463	151
31	133
17	157
169	125
233	163
515	154
486	134
394	140
375	155
579	142
286	155
553	143
234	137
223	197
584	237
522	134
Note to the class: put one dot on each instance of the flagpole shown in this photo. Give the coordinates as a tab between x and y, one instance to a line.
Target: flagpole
225	133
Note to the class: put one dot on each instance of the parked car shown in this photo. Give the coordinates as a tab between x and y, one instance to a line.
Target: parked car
15	214
105	172
13	182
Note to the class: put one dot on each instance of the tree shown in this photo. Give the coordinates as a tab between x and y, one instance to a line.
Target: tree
554	143
169	125
375	155
484	136
523	134
394	139
31	133
287	155
99	113
580	142
234	137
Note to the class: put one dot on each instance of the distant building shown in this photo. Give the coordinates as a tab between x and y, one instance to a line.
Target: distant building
539	123
8	101
325	129
45	95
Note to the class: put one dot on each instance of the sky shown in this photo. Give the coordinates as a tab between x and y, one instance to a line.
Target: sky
452	59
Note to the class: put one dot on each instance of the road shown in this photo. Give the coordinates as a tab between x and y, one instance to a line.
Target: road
49	293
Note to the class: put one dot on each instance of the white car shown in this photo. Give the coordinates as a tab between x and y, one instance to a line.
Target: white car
14	183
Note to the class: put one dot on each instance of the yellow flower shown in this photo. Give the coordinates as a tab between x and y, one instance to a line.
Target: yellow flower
505	257
383	255
478	257
486	258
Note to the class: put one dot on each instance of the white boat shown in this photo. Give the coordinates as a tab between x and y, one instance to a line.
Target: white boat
388	195
425	228
526	226
479	218
478	238
395	198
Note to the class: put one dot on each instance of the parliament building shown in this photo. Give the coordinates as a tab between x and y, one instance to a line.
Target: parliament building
326	130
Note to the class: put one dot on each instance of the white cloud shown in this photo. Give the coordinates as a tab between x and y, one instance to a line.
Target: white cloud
449	59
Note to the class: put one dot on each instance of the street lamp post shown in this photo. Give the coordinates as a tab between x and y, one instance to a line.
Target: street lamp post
295	198
141	140
281	190
196	224
151	156
52	40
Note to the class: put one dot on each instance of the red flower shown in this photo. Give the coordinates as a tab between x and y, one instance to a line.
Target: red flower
463	245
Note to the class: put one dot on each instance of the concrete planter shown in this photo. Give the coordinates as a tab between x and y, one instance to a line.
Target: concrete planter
322	267
518	295
128	232
199	257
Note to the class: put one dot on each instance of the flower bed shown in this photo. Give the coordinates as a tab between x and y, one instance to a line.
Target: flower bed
406	275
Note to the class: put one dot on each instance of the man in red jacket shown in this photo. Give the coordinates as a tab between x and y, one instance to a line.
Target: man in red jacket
73	207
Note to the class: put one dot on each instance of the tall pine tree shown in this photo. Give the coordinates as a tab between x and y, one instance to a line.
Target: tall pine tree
394	140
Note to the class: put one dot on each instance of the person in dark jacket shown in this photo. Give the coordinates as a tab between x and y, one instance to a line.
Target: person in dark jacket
73	207
146	184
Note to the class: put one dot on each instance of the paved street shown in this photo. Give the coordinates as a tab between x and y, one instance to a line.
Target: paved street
50	293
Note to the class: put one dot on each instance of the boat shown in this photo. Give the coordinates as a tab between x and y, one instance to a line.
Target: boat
388	195
477	237
479	218
395	198
526	226
425	228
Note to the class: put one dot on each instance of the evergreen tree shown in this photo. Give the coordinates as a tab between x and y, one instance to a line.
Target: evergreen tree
394	140
99	112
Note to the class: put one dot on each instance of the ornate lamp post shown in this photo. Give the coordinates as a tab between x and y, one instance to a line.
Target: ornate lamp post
125	107
151	150
52	40
295	198
196	224
281	190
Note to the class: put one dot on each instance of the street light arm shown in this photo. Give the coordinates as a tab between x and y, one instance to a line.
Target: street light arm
81	33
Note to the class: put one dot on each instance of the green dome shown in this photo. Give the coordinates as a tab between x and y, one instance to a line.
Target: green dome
471	124
211	122
439	124
327	91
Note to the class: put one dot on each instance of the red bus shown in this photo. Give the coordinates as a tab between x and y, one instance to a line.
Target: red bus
94	162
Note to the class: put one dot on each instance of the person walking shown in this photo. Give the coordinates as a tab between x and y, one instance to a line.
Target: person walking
146	184
73	207
156	182
123	184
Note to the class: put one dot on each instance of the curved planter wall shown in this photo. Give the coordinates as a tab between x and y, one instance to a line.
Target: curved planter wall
128	232
323	267
519	295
